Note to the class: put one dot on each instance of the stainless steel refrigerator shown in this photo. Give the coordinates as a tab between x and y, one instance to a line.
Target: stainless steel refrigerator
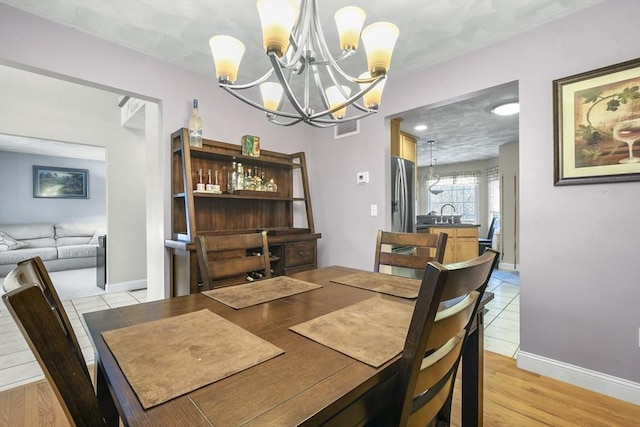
403	200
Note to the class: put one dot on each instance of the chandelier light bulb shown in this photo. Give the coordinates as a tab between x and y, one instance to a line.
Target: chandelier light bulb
277	18
227	53
349	21
373	98
336	98
271	95
379	39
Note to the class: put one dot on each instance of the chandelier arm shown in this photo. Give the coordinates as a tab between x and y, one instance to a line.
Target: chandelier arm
248	85
315	119
259	106
302	33
272	119
349	101
285	85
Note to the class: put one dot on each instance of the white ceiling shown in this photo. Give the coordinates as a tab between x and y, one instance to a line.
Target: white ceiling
431	31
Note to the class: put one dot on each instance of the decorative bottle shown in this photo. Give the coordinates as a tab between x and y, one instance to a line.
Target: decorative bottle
200	184
195	127
233	180
240	177
209	185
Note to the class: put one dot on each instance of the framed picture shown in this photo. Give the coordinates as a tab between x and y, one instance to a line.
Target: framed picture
597	125
60	183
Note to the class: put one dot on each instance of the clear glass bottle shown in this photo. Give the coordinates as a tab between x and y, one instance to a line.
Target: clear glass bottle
195	127
209	185
200	184
250	182
233	182
240	177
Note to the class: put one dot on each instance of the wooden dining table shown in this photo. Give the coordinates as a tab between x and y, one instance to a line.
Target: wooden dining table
309	384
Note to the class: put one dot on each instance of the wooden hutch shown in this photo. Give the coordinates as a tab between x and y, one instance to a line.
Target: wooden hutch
293	248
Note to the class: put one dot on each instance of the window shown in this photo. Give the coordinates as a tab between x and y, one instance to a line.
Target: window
493	187
461	190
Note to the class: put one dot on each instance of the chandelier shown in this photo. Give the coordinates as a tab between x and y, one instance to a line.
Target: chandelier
302	67
432	177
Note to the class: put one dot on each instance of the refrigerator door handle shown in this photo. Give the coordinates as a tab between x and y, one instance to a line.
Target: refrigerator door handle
402	196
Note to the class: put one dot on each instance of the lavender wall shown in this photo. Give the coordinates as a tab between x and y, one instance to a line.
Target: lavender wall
580	276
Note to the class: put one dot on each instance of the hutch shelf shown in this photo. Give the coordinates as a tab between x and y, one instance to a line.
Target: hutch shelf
285	214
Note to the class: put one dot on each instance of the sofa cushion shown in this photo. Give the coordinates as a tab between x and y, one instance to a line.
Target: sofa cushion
14	257
76	229
7	243
24	232
71	241
77	251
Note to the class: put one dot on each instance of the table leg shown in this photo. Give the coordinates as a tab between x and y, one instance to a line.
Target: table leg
105	401
472	375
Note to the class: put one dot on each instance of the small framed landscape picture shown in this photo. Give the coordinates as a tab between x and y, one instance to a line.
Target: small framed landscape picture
60	183
597	125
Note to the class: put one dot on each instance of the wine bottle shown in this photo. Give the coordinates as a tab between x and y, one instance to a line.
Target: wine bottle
195	127
200	184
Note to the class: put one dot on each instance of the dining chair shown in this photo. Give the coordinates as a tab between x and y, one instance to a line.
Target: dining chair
227	259
408	251
443	315
36	308
485	243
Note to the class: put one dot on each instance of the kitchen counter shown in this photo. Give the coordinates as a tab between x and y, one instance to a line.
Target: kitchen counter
446	225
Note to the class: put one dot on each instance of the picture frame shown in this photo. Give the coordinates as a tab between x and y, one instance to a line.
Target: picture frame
60	183
597	125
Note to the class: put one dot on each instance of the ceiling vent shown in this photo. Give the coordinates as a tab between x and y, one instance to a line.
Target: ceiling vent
342	130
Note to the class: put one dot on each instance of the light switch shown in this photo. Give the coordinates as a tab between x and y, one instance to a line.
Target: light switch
374	210
362	178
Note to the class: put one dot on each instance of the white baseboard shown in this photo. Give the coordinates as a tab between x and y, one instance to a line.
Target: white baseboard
608	385
508	266
132	285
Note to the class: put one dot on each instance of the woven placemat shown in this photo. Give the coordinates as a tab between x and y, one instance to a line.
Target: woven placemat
167	358
246	295
372	331
384	283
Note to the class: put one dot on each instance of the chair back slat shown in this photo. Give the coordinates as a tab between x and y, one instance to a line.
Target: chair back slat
223	259
451	321
42	320
427	247
467	276
444	312
437	364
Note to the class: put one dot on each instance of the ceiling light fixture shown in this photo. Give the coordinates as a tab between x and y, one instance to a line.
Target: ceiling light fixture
508	109
432	177
295	44
420	128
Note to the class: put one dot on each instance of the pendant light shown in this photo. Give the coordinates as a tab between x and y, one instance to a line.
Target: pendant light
432	177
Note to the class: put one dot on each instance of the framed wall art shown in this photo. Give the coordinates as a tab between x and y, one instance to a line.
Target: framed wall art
597	125
60	183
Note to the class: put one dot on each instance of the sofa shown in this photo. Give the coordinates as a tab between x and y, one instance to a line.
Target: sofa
61	246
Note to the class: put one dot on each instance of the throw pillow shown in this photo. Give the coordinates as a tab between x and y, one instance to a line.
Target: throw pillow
94	238
8	243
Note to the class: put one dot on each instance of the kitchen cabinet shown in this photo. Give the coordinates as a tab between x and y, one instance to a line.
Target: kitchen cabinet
462	241
402	144
293	246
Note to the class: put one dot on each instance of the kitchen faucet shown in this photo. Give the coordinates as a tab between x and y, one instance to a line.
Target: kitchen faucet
447	204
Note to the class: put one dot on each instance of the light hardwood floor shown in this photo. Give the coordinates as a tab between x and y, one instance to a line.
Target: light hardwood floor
513	398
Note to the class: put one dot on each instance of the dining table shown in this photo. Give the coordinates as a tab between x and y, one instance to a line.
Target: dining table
308	384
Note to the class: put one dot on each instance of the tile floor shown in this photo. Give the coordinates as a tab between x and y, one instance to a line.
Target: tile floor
18	366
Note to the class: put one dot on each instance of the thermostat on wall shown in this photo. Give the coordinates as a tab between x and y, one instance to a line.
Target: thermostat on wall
362	178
